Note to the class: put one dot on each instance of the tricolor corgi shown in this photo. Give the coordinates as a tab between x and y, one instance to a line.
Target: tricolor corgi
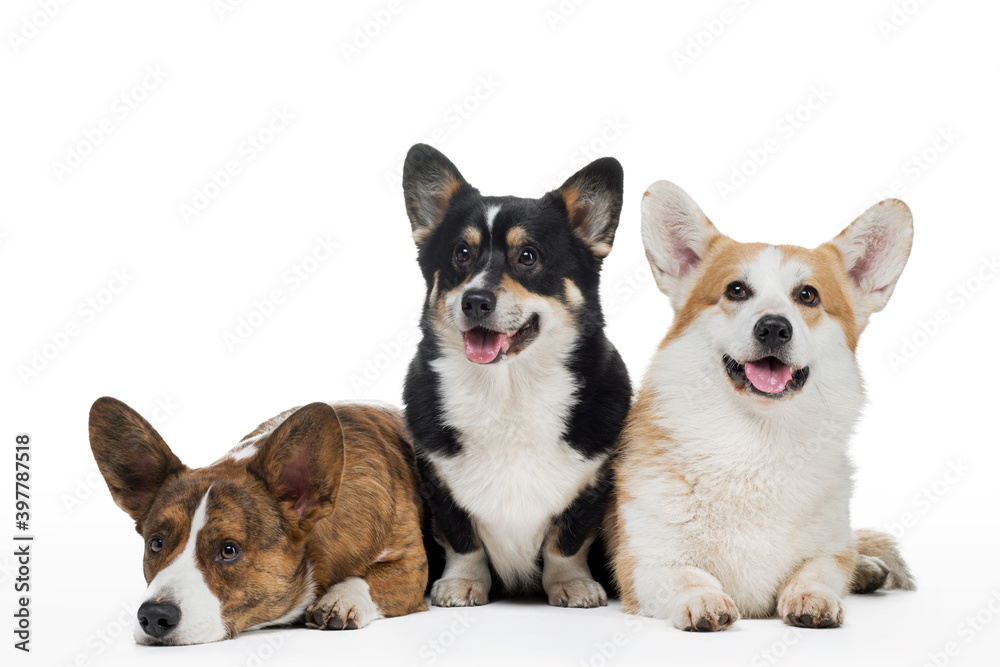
515	396
315	516
733	481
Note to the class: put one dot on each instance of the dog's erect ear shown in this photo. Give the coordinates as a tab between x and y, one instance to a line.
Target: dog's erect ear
874	249
131	455
301	462
676	235
593	198
430	180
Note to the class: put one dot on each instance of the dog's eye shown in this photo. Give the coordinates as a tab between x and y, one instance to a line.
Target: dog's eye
528	256
808	295
737	291
462	254
155	545
229	551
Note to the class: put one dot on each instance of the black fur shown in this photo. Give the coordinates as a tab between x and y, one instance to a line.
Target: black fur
572	229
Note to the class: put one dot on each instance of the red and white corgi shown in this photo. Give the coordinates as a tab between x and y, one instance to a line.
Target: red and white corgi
733	481
314	516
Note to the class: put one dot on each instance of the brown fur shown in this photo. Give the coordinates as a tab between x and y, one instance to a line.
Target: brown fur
645	438
720	266
363	503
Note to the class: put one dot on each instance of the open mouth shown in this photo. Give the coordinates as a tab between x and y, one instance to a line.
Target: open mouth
484	346
770	376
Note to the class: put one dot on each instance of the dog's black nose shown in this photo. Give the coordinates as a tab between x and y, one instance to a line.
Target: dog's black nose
158	618
477	304
773	330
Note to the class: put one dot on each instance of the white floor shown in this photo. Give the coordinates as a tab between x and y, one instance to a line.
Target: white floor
896	628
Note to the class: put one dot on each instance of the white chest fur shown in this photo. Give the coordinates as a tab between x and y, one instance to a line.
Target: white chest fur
745	495
515	471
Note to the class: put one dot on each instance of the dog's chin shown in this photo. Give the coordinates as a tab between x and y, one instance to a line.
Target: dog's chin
769	377
486	346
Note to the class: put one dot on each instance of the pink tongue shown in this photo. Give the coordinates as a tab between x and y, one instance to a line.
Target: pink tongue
768	375
482	346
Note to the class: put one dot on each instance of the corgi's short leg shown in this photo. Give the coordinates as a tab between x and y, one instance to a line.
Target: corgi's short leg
567	580
566	576
813	596
466	580
347	605
393	587
689	597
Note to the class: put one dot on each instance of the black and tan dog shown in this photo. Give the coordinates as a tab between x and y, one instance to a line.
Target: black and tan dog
314	516
515	397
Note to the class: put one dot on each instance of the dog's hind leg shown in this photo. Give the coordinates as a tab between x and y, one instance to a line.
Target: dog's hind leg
880	565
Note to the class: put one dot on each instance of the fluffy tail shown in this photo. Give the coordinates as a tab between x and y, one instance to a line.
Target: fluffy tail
880	565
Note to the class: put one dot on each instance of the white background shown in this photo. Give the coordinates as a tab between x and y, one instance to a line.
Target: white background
605	79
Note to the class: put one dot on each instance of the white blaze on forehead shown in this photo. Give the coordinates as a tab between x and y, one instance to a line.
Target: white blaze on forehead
491	214
772	278
183	584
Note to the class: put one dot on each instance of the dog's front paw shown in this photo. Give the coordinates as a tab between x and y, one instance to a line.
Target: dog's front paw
706	612
582	592
811	608
455	592
345	606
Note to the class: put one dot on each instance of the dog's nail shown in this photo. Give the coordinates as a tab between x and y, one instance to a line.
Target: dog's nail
791	618
337	623
826	622
704	625
723	619
806	619
318	617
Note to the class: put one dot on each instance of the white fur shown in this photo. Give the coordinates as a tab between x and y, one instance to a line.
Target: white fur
352	594
183	583
515	472
766	484
491	215
465	581
675	233
875	248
